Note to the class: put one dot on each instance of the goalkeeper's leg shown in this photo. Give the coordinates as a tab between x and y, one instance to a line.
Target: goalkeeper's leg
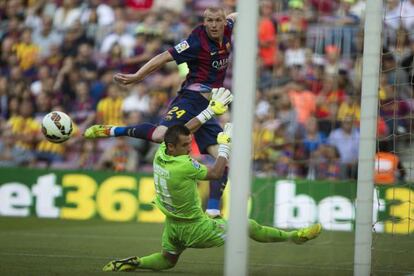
156	261
266	234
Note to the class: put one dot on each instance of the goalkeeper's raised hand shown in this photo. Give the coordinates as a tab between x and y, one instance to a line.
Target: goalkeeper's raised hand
224	141
220	99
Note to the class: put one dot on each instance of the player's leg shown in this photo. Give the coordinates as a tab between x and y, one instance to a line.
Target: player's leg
146	131
159	261
266	234
216	186
171	251
156	261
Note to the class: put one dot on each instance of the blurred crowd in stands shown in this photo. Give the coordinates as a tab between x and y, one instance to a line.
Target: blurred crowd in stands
62	54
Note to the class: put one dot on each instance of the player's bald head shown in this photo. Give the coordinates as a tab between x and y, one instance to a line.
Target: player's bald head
214	10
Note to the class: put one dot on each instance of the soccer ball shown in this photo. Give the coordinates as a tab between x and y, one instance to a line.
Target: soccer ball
57	127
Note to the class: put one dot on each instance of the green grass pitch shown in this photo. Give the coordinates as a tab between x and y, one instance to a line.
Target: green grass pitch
32	246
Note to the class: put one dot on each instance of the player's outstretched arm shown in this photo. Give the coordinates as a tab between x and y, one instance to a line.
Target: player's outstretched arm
224	141
152	65
220	99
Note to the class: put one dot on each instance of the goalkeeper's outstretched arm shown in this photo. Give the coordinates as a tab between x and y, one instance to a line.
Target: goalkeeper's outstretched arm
224	141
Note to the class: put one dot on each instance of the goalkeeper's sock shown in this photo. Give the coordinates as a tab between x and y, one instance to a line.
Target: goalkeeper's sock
216	191
155	261
264	234
142	131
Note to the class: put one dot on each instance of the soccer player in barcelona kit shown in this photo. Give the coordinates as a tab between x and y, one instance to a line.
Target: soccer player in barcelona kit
206	52
186	225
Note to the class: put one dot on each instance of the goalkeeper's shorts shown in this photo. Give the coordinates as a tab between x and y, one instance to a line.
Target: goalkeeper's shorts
203	233
187	105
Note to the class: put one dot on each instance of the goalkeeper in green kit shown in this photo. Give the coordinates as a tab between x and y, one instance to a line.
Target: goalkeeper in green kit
175	177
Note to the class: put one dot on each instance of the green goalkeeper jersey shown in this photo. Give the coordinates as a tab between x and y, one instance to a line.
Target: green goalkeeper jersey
175	179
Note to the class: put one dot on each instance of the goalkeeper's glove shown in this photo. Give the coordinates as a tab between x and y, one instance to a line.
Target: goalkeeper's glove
224	141
220	99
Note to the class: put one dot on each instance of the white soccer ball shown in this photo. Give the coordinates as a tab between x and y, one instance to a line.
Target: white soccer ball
57	127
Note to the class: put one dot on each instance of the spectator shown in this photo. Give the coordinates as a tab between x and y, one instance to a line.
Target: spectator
288	117
350	108
303	101
328	102
407	14
104	13
346	140
173	5
313	139
322	8
395	110
109	108
295	53
328	165
138	100
388	168
42	82
12	155
120	36
27	52
344	15
82	112
332	62
88	157
267	35
294	20
46	37
66	15
4	97
394	74
84	62
43	106
25	128
120	157
407	63
392	20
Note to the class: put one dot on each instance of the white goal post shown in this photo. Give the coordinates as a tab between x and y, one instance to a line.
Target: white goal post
368	127
244	86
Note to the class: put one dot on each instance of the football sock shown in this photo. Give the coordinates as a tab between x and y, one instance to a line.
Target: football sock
262	233
142	131
155	261
216	191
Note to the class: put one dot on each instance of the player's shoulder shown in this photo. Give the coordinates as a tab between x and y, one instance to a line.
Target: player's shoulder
186	161
194	163
198	30
229	22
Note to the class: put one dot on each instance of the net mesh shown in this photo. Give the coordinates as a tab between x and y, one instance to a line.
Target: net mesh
307	172
393	227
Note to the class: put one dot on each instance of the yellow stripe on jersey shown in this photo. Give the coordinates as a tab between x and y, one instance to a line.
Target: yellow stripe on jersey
46	146
27	54
27	127
110	111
